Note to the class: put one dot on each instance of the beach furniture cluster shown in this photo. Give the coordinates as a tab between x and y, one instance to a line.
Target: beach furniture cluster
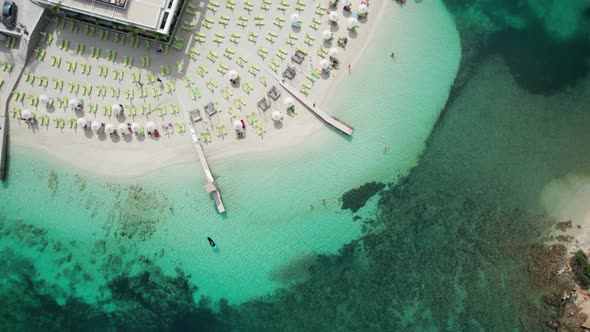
222	55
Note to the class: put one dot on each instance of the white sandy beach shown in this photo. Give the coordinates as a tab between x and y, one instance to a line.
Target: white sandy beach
131	155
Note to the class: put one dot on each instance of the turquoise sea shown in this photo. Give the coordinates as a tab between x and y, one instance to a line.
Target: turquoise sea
484	104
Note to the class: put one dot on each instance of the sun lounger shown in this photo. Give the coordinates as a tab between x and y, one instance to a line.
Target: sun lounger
263	104
210	109
273	93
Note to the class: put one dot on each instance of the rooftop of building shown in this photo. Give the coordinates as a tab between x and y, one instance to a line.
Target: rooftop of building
148	14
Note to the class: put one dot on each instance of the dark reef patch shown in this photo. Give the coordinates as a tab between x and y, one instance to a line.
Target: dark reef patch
440	263
539	63
355	199
152	301
136	213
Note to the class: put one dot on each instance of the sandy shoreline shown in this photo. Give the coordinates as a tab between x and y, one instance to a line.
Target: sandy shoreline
129	157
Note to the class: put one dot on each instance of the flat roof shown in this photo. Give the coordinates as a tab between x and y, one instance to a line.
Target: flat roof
142	13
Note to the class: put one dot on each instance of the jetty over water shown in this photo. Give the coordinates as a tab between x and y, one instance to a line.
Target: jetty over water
338	124
211	187
3	143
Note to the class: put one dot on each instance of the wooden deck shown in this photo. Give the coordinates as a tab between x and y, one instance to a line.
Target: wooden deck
3	142
338	124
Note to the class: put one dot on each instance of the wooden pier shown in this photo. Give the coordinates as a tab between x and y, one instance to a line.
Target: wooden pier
336	123
3	142
211	187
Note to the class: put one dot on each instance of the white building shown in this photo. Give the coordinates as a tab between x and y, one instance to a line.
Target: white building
151	15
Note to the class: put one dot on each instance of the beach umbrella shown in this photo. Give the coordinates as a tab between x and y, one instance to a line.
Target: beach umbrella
123	128
150	126
135	127
324	64
26	114
116	108
289	102
73	103
347	2
363	9
238	125
82	122
295	19
352	23
95	125
334	52
109	128
43	99
333	17
232	74
276	116
327	34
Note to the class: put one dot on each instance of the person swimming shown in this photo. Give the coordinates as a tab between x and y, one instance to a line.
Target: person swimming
211	242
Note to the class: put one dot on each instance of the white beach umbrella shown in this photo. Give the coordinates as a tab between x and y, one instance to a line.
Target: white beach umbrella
116	108
334	52
123	129
43	99
327	34
73	103
295	18
135	127
238	125
333	17
363	9
26	114
95	125
109	128
347	2
324	64
277	116
352	23
232	74
289	102
150	126
82	122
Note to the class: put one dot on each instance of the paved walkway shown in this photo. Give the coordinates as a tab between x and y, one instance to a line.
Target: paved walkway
343	127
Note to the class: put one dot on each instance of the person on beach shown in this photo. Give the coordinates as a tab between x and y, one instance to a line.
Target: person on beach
349	68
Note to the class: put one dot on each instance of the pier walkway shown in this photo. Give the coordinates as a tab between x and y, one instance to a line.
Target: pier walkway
336	123
211	187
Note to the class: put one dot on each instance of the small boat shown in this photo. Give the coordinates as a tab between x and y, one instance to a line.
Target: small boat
211	243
